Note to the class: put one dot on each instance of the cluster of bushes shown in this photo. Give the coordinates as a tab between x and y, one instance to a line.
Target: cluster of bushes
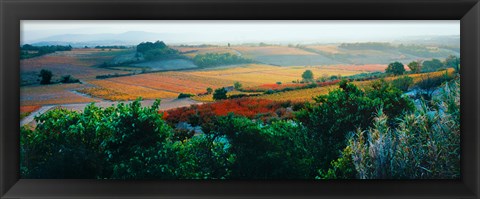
69	79
344	110
111	47
215	59
134	142
424	144
349	133
365	76
451	61
242	95
113	75
46	78
156	50
29	51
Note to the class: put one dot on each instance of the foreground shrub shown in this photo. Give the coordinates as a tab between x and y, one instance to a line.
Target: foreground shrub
345	109
430	83
425	145
276	151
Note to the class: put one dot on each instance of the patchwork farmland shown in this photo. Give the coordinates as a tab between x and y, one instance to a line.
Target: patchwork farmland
110	75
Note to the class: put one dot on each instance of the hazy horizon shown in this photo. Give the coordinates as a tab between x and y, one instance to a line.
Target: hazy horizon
185	32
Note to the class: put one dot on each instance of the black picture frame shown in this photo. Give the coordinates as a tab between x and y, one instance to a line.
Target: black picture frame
12	11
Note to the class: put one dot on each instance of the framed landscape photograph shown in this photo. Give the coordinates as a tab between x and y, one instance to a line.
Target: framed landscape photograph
170	100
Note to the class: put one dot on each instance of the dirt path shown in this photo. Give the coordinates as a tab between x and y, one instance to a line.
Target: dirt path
32	115
238	52
164	105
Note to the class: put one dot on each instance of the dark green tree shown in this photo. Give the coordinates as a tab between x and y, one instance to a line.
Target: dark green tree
220	94
395	68
453	61
209	90
46	76
237	85
307	76
415	66
432	65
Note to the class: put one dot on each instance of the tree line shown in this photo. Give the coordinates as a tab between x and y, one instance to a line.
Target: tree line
216	59
29	51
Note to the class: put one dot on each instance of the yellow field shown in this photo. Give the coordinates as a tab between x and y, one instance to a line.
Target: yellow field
257	74
107	94
126	91
299	95
191	78
419	77
170	84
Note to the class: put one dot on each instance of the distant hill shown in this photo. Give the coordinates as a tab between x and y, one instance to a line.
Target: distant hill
444	40
126	38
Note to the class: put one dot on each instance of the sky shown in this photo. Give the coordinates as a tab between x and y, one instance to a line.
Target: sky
247	31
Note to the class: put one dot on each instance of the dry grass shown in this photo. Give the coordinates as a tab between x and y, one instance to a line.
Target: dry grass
299	95
107	94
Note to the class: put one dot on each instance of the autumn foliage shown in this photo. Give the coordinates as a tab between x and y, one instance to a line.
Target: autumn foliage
251	108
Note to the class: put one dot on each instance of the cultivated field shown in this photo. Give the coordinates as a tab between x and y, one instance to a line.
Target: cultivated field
80	63
284	56
167	84
53	94
192	51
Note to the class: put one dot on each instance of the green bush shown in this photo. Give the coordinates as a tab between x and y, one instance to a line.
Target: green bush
395	68
276	151
432	65
220	93
185	95
69	79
